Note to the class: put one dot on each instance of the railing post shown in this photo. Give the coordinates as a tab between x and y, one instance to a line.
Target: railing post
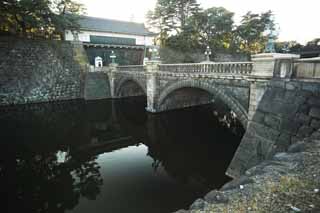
152	68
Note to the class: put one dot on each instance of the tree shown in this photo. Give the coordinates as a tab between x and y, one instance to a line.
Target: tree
191	29
249	36
286	46
66	15
39	17
172	15
23	15
214	27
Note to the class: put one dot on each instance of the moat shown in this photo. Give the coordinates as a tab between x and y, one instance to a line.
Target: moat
112	156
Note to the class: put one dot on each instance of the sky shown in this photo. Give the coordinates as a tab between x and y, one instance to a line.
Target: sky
298	20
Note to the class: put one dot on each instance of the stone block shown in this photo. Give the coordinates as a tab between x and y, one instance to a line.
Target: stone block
315	112
279	95
283	142
315	123
297	147
289	125
287	110
277	83
303	118
263	131
258	117
289	96
300	100
304	108
279	108
293	85
305	93
305	131
272	121
314	101
311	87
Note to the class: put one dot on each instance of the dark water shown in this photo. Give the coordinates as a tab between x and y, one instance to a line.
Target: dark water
111	156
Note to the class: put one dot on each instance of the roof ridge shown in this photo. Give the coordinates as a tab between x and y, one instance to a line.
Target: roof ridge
112	25
110	19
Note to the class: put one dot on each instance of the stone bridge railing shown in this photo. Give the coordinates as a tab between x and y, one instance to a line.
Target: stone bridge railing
265	66
233	68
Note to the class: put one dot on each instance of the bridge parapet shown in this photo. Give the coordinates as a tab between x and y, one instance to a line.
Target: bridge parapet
233	68
132	68
269	65
308	68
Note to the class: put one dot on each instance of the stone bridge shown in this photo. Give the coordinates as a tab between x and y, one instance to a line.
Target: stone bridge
239	85
175	86
275	97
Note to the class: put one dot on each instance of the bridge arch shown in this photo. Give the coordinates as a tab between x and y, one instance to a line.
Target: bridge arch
230	101
123	81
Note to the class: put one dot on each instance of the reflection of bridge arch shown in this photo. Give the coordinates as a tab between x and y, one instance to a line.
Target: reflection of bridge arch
123	81
231	102
130	119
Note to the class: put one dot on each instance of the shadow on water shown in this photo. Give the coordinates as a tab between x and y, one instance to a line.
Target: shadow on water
112	156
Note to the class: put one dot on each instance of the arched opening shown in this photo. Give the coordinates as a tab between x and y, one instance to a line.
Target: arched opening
187	97
190	93
130	88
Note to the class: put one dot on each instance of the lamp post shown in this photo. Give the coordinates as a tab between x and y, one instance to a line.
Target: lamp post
113	57
270	44
272	32
208	53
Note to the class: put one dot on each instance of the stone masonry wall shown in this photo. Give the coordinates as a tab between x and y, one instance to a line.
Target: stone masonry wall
39	71
288	112
97	86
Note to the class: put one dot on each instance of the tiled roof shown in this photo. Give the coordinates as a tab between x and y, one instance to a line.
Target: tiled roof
115	26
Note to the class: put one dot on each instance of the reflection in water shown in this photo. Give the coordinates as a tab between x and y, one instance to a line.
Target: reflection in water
112	156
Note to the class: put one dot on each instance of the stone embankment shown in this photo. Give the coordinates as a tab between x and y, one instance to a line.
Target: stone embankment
289	111
97	86
276	167
39	71
288	182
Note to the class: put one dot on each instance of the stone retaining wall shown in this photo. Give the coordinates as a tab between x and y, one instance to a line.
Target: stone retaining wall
34	71
288	182
97	86
288	112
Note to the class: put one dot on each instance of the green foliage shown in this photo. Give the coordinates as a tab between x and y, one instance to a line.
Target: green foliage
171	56
183	26
171	15
286	46
39	17
249	35
213	27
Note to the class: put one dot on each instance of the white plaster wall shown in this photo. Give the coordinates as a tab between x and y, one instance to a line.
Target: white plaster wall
85	37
